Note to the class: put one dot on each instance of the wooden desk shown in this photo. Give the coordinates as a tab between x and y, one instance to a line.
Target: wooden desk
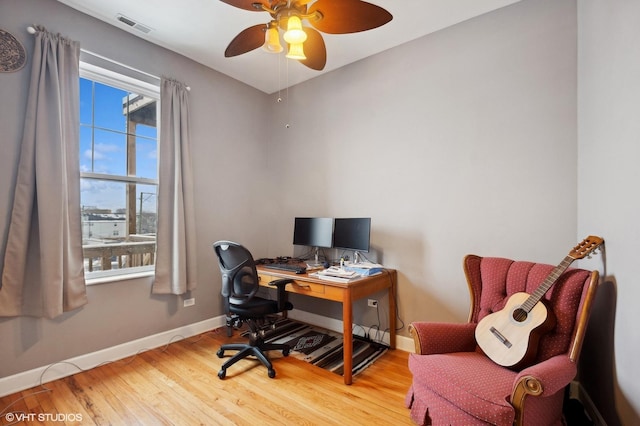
346	293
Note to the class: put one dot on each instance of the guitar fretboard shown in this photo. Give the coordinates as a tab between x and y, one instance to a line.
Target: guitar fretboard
535	297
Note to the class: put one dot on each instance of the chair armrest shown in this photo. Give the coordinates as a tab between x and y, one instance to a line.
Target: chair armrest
543	379
438	337
281	292
553	375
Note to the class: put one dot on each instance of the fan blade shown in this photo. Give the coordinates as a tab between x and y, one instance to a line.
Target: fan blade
248	4
314	50
248	39
348	16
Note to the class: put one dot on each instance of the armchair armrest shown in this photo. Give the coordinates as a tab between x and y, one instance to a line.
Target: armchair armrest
281	292
435	337
543	379
553	374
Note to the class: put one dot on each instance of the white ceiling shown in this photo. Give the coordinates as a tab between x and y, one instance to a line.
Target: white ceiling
202	29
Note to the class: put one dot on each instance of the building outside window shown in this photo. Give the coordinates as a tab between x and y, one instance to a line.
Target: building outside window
119	172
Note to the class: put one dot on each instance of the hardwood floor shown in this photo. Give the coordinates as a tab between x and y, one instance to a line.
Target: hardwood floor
178	385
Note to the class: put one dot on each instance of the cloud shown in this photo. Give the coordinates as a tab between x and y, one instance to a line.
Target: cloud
101	151
102	194
105	148
104	157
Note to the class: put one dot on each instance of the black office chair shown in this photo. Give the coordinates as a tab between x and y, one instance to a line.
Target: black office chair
239	287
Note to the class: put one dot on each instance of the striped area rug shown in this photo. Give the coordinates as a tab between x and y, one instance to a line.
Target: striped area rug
324	348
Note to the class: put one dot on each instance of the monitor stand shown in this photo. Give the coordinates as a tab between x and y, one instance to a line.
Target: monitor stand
316	262
356	257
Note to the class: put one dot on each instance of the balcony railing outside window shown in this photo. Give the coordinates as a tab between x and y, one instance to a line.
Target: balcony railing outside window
136	252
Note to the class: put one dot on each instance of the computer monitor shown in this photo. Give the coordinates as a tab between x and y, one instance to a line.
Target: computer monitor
314	232
352	234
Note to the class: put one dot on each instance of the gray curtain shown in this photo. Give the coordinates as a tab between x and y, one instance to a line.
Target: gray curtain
176	239
43	272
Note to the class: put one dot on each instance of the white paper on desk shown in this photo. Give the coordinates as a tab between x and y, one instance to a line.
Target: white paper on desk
338	272
335	279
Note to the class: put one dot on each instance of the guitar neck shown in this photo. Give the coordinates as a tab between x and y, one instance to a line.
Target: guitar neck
547	283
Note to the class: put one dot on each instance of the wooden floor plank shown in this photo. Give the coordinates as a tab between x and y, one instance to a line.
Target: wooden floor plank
178	385
131	406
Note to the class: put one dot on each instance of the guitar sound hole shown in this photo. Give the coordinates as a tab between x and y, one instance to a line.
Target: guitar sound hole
519	315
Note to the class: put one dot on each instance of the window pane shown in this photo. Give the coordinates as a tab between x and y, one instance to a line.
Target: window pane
141	112
110	152
108	240
147	131
86	149
147	158
147	199
103	196
108	108
86	101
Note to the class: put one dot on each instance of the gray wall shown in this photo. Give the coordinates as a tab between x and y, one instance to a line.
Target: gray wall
460	142
609	131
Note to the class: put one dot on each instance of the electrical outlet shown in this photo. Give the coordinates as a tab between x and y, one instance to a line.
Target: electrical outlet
373	303
189	302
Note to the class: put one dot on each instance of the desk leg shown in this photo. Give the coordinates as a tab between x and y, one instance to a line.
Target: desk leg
347	333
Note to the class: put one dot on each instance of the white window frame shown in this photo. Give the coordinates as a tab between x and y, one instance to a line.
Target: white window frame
124	82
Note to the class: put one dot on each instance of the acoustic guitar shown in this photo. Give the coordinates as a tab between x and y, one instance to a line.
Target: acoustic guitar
510	336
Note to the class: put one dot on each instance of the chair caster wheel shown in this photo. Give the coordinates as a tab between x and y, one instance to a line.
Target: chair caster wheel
220	353
271	373
285	352
222	374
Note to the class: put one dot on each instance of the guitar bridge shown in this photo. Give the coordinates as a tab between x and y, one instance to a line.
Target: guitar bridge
500	337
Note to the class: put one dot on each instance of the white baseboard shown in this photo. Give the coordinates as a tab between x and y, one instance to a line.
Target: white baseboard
406	344
37	376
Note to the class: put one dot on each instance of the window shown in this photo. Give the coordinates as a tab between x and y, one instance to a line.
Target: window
118	172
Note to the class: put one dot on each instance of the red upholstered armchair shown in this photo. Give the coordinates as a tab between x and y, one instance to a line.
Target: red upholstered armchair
455	383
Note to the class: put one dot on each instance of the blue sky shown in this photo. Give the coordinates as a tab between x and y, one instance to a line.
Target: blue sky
103	148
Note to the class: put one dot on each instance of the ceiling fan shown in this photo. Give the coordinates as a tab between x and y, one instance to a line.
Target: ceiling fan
305	43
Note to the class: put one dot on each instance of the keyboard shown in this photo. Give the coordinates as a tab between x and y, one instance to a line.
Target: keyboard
286	267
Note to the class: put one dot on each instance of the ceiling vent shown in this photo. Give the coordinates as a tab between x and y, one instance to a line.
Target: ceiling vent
133	24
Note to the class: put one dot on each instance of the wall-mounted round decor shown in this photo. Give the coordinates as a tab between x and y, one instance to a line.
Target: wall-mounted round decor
12	54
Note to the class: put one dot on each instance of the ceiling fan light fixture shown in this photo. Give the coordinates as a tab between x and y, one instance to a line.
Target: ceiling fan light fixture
272	40
296	51
294	34
321	16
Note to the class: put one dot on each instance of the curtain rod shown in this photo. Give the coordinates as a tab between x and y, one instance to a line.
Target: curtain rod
32	30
